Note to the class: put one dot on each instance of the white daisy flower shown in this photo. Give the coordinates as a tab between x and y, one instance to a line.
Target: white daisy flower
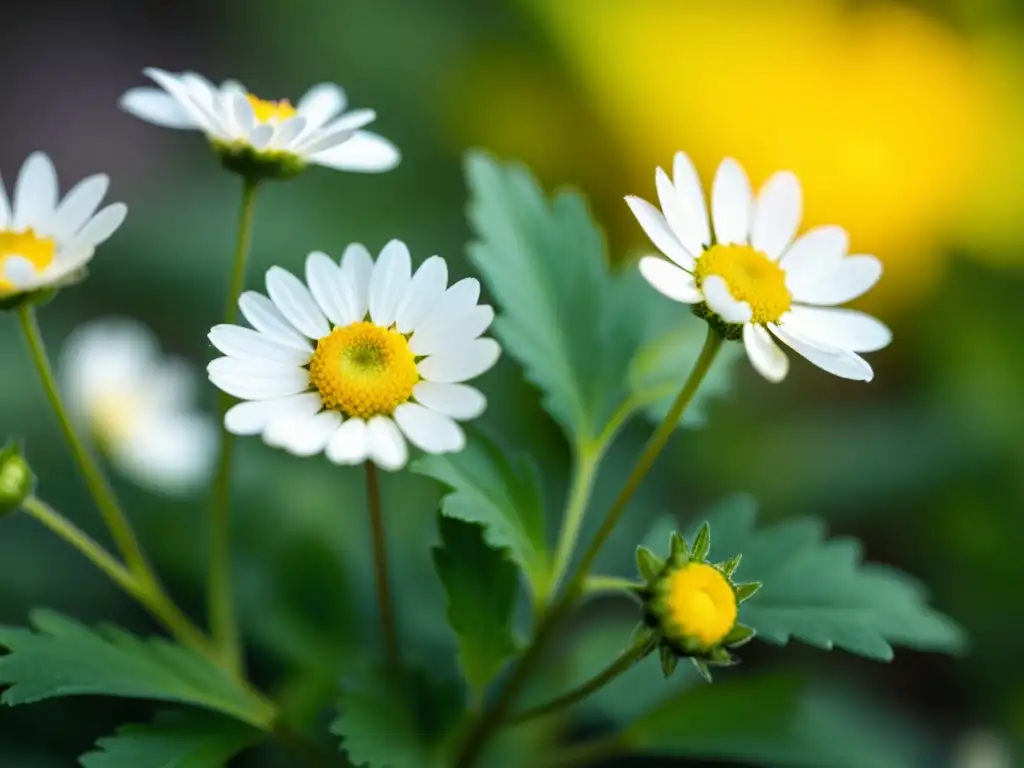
752	279
366	357
138	404
316	130
44	240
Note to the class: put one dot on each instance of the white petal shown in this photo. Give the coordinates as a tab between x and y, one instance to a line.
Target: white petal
455	303
428	430
243	113
765	355
351	121
321	103
325	283
285	133
267	318
6	219
296	303
156	107
683	220
249	387
253	369
247	344
350	444
425	291
839	362
386	446
456	400
308	436
35	193
852	277
356	271
731	203
181	93
461	363
260	136
688	189
842	328
79	204
323	140
777	214
722	303
816	253
20	272
459	330
658	230
364	153
251	418
101	226
670	280
389	282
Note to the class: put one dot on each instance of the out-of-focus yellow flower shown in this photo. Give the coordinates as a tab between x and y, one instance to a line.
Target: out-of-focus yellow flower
883	113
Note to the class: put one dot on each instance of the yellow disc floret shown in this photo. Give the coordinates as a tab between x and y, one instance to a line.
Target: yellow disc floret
701	604
269	111
39	251
751	276
363	370
114	417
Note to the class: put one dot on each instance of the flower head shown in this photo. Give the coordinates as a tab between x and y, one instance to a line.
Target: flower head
262	138
45	242
16	479
138	404
357	360
692	606
751	279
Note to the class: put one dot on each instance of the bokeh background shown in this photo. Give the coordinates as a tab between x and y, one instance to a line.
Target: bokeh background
905	122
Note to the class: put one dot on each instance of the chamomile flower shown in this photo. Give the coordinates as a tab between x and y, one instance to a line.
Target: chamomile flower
262	137
751	279
138	404
365	358
46	241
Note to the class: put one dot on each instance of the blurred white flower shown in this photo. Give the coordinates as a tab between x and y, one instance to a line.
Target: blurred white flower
138	404
315	130
391	350
45	240
751	277
982	749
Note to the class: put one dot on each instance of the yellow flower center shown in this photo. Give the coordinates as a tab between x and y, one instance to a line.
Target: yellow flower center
269	111
363	370
38	250
702	603
751	276
114	417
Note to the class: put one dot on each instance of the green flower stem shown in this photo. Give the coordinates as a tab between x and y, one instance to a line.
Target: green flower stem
385	605
103	495
594	584
590	753
490	720
223	624
585	473
626	661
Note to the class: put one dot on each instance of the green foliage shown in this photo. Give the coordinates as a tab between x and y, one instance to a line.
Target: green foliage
190	739
819	592
502	495
481	588
61	657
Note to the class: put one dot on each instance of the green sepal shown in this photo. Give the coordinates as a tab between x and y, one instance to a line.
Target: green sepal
720	657
747	590
16	479
729	566
702	668
41	296
669	660
701	544
678	553
642	635
649	564
740	635
256	165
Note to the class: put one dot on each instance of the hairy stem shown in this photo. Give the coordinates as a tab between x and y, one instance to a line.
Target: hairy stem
385	604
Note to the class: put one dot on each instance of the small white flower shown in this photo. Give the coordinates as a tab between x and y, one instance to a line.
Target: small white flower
390	350
316	130
44	240
138	404
753	278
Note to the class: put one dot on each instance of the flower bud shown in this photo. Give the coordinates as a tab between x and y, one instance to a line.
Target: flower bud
16	480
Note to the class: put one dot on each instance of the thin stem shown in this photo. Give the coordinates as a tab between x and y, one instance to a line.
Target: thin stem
587	754
594	584
385	606
575	511
626	660
492	718
103	495
221	603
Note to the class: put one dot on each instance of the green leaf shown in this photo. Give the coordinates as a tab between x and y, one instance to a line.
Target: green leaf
701	543
481	588
400	720
820	592
61	657
191	739
501	495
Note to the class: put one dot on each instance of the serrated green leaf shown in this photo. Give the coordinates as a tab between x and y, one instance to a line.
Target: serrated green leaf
503	497
61	657
481	587
191	739
820	592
